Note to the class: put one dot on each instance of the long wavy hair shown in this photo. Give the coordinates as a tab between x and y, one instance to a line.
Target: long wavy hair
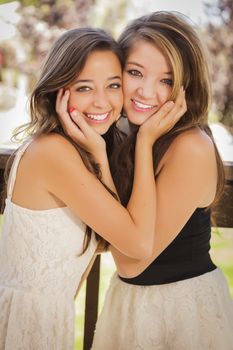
64	62
173	34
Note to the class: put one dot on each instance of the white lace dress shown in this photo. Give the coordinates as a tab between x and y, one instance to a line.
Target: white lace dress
40	270
193	314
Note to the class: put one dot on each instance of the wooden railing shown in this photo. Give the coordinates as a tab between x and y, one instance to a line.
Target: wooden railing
223	217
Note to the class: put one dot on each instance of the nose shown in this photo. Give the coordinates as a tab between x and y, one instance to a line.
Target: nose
147	89
100	99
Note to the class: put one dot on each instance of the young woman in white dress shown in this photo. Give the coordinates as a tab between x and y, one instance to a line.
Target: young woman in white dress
55	186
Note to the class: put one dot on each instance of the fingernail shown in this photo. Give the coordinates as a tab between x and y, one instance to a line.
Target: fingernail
71	109
74	113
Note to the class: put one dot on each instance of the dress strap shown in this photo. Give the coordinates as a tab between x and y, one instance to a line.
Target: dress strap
13	171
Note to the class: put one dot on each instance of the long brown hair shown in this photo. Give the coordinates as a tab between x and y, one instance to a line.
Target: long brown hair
64	62
176	38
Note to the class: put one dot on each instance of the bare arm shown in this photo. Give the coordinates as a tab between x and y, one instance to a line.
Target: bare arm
187	181
64	175
142	199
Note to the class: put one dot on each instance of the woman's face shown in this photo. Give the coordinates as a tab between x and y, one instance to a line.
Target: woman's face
147	82
97	91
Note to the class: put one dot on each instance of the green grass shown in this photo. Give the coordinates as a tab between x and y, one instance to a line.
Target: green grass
221	253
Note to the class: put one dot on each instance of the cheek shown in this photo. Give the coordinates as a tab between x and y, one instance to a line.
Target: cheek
119	101
127	84
72	99
77	102
129	87
165	93
116	101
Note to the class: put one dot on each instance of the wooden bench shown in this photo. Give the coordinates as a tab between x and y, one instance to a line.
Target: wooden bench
223	217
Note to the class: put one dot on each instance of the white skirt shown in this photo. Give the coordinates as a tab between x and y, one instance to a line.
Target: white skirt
193	314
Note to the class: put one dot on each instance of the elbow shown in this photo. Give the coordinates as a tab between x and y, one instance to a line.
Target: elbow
146	250
143	250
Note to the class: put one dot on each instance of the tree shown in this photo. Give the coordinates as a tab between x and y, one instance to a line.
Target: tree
42	22
220	43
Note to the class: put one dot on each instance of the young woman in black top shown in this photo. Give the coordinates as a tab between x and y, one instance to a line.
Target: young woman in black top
176	298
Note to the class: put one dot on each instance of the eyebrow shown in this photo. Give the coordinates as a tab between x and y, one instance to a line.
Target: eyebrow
135	64
90	80
141	66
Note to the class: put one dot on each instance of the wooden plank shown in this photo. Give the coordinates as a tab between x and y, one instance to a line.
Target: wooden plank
91	306
4	156
228	167
222	215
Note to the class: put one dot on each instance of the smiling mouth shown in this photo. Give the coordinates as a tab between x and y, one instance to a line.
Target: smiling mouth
142	106
98	117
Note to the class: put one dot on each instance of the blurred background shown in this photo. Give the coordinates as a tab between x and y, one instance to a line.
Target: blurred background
29	27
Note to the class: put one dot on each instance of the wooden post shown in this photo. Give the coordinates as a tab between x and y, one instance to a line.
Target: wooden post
4	155
91	305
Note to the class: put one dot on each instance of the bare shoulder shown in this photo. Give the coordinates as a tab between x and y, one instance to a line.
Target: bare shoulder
193	143
53	146
190	162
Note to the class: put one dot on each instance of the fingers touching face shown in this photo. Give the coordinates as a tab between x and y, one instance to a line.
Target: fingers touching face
97	91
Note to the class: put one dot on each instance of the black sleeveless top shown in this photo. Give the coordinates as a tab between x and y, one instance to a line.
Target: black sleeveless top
187	255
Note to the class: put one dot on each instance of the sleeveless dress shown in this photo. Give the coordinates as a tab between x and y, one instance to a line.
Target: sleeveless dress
180	301
40	271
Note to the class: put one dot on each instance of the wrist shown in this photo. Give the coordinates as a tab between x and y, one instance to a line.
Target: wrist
144	138
101	157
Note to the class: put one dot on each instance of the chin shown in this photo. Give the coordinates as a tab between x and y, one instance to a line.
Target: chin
101	130
136	120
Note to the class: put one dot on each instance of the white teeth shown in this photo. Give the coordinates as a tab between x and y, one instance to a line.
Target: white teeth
97	116
142	105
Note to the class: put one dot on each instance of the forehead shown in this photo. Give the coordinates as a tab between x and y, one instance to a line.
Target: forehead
101	61
147	55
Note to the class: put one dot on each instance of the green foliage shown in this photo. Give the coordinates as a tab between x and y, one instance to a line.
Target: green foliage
222	253
2	2
30	2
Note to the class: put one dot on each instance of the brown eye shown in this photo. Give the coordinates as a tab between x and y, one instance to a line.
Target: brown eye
83	89
115	86
134	72
167	81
